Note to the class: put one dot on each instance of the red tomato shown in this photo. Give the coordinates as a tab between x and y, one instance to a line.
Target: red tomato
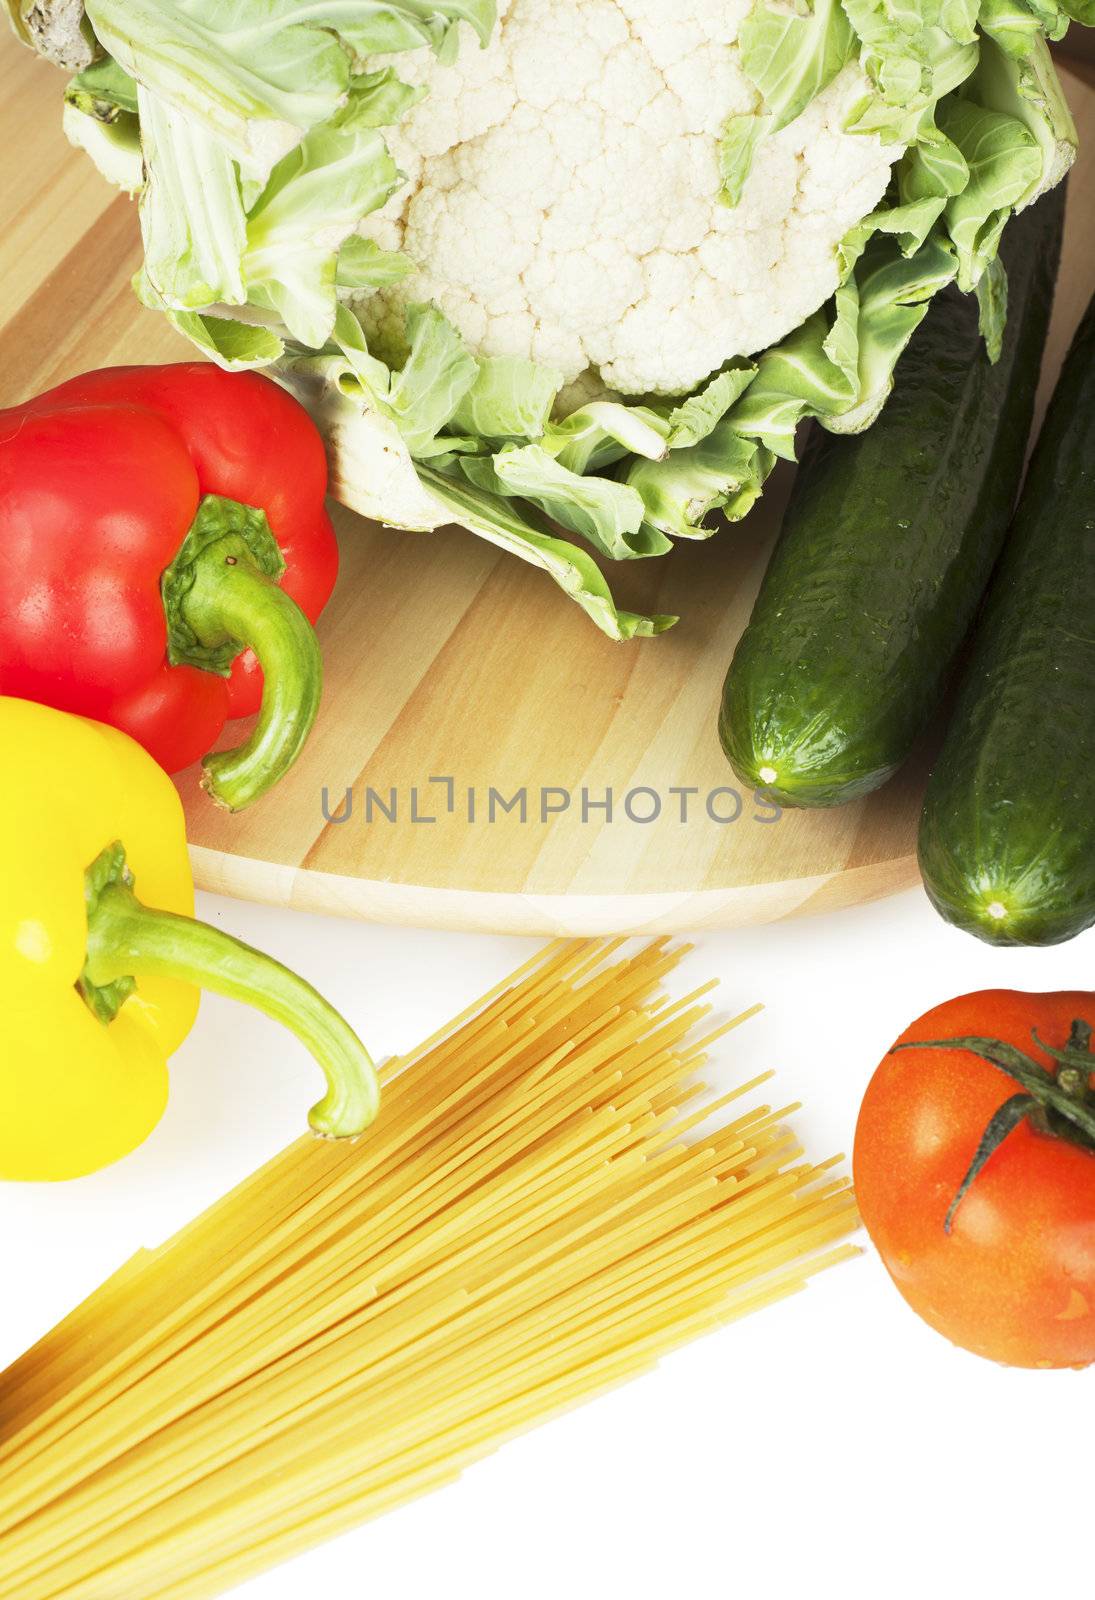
1014	1278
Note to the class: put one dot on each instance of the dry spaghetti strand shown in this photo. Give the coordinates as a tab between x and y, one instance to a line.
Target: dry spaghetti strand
540	1213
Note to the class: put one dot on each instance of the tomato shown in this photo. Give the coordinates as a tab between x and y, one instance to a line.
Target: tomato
1014	1277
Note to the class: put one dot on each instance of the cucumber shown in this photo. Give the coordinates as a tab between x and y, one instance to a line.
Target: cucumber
886	547
1007	837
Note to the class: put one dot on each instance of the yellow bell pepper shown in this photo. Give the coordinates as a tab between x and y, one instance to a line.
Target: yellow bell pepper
98	986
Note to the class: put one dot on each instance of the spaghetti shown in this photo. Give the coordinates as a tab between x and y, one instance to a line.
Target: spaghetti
534	1218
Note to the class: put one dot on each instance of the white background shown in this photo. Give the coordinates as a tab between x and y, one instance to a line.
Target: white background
830	1445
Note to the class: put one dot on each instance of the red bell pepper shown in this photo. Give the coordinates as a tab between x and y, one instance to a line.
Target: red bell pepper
164	549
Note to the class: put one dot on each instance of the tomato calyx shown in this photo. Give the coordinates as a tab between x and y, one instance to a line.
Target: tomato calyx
1057	1105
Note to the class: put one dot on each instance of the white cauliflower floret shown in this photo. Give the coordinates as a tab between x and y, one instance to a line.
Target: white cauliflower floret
563	197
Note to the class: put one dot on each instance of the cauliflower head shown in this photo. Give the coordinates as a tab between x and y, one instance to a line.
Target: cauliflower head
570	273
564	200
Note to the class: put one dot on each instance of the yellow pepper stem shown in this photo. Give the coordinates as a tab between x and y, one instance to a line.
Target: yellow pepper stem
127	940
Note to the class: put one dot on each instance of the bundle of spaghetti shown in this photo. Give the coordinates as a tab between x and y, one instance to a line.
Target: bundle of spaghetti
536	1216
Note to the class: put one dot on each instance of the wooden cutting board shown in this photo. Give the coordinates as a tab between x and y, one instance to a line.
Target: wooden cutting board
448	661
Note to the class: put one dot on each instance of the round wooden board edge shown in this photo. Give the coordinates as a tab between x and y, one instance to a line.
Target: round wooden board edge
399	903
546	916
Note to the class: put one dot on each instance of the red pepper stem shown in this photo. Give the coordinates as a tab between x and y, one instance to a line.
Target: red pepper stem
128	940
231	596
221	595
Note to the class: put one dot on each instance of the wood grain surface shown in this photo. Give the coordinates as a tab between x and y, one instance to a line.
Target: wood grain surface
447	660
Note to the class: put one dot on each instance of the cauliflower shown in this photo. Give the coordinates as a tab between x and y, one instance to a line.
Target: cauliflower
564	201
569	273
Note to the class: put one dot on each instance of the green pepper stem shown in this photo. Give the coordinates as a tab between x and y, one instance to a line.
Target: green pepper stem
231	596
128	940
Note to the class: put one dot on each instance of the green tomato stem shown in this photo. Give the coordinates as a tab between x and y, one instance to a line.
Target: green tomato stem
1074	1071
127	940
1059	1106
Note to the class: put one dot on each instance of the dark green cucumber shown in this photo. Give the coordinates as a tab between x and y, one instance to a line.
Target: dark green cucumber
1007	838
887	545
